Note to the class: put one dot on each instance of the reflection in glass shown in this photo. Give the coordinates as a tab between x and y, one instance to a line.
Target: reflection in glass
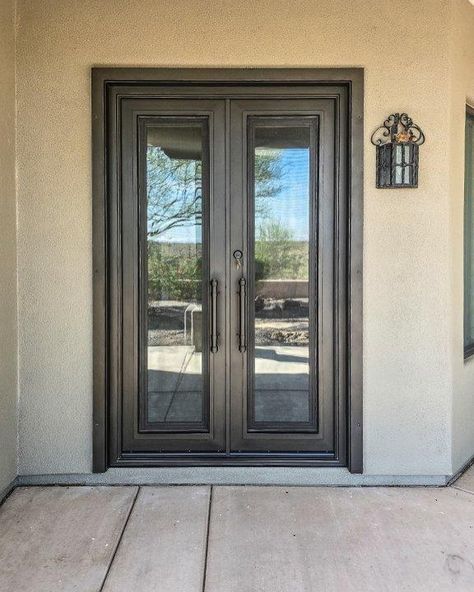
469	233
174	171
281	251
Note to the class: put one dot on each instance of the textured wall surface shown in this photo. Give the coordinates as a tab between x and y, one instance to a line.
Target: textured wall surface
8	324
407	281
462	91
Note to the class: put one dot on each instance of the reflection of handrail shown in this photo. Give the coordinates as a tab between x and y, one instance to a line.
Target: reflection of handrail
214	346
242	344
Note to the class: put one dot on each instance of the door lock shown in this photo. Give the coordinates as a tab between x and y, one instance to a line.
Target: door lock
238	258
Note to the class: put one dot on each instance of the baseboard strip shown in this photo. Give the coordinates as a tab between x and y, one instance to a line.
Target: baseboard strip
467	465
6	491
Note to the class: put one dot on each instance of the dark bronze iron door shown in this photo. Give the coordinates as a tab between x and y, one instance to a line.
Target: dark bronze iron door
173	246
232	292
283	317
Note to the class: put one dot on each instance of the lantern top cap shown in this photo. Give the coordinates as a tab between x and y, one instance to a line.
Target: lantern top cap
398	128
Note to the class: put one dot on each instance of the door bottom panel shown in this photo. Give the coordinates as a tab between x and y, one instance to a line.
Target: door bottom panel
232	459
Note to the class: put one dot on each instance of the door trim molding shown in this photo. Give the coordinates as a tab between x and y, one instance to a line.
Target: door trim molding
104	80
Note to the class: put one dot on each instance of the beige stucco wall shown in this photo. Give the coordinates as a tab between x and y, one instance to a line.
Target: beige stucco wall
8	325
408	291
462	91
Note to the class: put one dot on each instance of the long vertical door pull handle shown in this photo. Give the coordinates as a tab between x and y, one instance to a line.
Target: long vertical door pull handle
242	344
214	346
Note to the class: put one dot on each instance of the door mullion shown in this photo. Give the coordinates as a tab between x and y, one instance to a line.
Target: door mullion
228	273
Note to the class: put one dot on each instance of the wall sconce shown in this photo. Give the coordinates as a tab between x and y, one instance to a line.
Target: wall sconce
397	143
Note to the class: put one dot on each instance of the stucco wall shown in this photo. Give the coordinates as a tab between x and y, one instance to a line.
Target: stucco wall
8	326
462	91
407	287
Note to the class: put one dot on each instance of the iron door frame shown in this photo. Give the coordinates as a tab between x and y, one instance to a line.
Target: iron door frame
110	86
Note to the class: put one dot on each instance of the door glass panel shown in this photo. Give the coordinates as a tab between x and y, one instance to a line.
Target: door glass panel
280	391
176	269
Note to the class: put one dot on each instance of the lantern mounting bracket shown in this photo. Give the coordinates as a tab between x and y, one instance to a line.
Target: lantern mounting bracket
398	127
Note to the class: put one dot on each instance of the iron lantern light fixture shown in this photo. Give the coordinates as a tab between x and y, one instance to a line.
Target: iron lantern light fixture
397	143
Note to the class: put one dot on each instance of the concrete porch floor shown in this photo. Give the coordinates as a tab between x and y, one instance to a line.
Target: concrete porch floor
245	539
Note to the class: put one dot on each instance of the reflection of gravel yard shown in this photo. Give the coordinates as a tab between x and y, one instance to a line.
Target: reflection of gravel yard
166	322
267	332
281	331
165	337
281	321
277	322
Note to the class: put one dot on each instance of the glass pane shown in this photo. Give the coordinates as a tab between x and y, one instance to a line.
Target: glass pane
174	170
469	234
282	216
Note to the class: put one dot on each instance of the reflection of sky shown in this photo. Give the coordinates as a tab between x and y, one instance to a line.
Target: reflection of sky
182	234
289	207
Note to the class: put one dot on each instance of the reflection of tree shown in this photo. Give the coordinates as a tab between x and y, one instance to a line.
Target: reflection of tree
278	255
268	177
174	271
174	189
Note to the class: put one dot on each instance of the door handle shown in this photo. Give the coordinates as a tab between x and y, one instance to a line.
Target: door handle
242	286
214	346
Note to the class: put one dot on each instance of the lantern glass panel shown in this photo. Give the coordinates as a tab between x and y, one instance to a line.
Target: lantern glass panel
399	170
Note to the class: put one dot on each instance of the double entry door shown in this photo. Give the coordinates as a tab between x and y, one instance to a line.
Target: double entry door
230	230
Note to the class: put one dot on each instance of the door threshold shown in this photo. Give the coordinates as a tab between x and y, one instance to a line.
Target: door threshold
236	476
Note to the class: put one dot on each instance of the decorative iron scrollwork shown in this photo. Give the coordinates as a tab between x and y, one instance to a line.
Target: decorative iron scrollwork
398	127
